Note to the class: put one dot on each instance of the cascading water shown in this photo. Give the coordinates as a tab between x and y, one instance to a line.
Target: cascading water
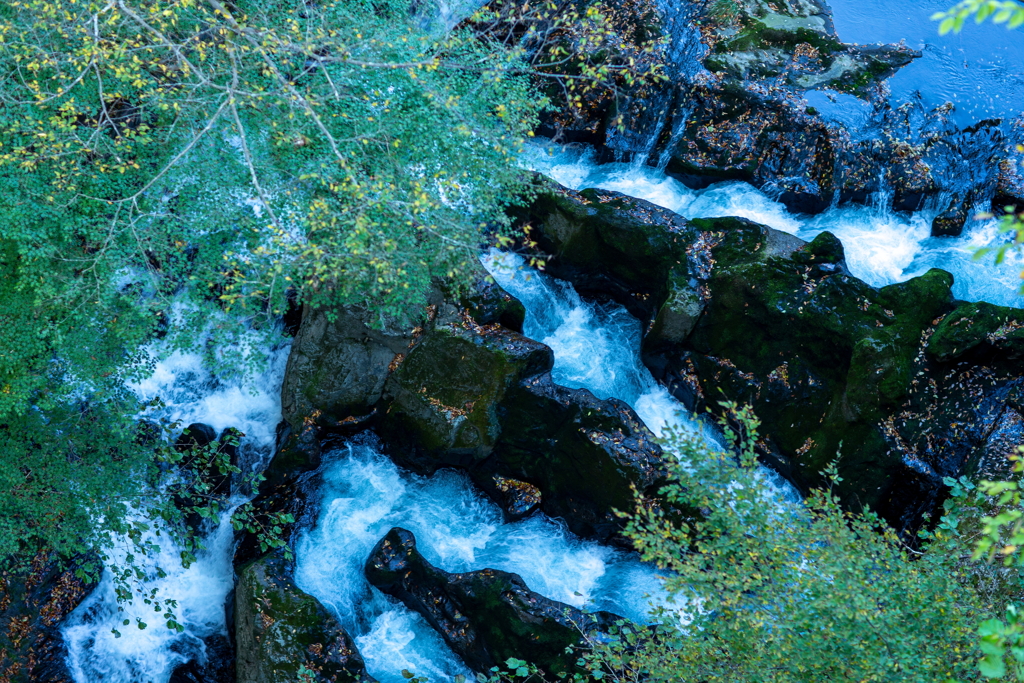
598	348
189	393
882	246
364	494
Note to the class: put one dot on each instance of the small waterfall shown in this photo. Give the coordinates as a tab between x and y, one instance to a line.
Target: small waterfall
882	246
189	393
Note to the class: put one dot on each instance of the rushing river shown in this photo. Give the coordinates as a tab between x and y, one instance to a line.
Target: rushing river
882	246
190	393
363	494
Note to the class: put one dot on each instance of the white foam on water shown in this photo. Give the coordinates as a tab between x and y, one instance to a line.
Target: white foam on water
95	653
189	393
364	495
882	246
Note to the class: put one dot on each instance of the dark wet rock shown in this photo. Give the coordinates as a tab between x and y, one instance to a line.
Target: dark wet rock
195	436
485	616
586	455
279	628
746	117
748	120
992	459
950	223
214	663
832	366
34	600
338	365
608	244
482	399
821	357
295	453
488	304
518	498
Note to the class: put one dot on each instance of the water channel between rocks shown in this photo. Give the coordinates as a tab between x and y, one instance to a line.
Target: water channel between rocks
457	529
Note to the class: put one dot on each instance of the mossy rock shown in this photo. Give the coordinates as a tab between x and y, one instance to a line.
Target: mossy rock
758	35
443	399
485	616
280	629
338	365
607	242
821	356
824	248
975	328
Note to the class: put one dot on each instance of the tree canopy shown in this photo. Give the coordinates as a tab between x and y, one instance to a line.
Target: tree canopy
168	164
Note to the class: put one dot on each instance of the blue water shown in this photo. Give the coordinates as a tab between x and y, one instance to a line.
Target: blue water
980	70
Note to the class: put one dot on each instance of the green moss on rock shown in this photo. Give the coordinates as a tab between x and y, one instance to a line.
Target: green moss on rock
979	327
279	628
444	397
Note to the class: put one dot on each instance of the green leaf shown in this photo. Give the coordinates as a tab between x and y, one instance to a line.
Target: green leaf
992	667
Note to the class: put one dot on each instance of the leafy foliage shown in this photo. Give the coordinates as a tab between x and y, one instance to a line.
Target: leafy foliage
773	592
1007	12
191	168
761	590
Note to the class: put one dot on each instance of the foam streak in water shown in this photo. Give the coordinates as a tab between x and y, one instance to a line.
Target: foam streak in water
609	367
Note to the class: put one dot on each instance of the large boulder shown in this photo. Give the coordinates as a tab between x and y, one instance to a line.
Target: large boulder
784	104
485	616
338	365
279	630
588	457
608	244
822	357
481	398
444	398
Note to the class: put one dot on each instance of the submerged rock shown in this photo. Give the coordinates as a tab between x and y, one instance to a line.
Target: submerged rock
485	616
280	631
